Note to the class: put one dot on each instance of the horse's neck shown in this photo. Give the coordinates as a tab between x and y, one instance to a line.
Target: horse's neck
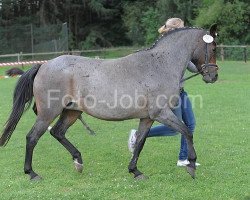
176	50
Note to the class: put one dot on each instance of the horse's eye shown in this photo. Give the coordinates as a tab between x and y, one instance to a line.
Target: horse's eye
214	49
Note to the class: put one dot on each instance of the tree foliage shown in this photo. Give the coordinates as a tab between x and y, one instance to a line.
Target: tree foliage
105	23
232	18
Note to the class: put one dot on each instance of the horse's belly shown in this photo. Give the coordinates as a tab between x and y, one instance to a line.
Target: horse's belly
114	103
114	112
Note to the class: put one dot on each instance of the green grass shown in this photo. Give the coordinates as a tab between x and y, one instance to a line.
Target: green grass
222	140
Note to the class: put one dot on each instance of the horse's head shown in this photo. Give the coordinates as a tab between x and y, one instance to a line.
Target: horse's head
204	56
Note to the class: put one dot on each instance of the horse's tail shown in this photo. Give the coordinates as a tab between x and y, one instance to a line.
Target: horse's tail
22	100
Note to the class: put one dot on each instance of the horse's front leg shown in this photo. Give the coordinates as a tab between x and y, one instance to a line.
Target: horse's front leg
142	133
168	118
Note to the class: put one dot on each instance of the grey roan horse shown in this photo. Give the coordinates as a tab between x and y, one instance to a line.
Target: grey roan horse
143	85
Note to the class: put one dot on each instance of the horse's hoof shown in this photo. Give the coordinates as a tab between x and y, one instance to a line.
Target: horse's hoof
191	171
78	166
36	178
141	177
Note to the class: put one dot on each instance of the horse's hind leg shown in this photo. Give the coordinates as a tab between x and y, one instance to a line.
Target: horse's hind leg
32	138
168	118
67	118
142	133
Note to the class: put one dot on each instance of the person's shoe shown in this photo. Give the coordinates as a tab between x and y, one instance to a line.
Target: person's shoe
183	163
132	140
49	128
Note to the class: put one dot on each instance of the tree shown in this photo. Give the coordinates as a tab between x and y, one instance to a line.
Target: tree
186	10
105	23
150	22
232	18
132	17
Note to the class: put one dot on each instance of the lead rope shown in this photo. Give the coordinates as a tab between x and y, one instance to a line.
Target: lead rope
192	76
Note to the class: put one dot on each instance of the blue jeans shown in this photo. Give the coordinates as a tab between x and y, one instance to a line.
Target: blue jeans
185	113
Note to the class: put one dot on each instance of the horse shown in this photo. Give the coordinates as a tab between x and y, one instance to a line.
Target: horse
143	85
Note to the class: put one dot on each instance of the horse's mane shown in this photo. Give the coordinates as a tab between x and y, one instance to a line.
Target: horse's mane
166	35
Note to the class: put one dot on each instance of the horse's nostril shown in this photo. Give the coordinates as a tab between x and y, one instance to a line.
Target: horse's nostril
215	78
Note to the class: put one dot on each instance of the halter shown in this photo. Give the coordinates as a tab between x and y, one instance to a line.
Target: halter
207	39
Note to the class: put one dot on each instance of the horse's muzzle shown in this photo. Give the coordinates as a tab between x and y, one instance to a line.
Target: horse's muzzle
209	72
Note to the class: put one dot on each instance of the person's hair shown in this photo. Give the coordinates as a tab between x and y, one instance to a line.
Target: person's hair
171	24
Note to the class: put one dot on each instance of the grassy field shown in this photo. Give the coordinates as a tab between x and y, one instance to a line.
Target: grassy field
222	140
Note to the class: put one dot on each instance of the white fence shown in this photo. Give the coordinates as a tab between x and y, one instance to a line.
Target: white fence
224	52
28	58
242	49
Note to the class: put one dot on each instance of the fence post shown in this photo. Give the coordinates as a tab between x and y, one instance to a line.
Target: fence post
19	56
245	54
222	53
55	45
32	40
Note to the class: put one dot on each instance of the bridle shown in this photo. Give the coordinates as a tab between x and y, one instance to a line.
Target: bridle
204	67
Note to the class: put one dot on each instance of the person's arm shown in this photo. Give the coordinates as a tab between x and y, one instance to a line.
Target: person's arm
191	67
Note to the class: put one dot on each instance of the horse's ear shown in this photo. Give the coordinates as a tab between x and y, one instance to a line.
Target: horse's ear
213	30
